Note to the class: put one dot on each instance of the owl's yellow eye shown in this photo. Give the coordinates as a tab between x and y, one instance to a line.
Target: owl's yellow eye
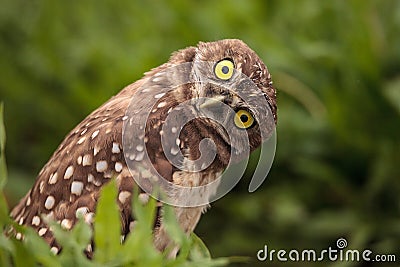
224	69
243	119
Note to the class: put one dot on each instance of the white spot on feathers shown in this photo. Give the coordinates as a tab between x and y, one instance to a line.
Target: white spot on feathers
81	140
53	178
66	224
96	150
162	104
81	212
42	231
139	156
36	220
90	178
87	160
49	203
115	148
174	151
54	250
89	217
79	160
101	166
41	187
95	133
143	198
118	167
76	188
157	96
123	196
69	172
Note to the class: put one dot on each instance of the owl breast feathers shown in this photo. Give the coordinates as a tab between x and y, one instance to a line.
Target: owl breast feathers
179	126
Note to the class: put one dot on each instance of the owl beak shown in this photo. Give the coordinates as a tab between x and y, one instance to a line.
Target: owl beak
210	102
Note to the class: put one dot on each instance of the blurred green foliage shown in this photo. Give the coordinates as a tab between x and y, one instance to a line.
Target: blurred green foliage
335	64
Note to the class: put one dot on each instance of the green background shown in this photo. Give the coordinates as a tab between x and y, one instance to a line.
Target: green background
335	64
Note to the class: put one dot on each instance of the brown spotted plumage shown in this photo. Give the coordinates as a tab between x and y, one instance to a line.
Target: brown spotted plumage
93	152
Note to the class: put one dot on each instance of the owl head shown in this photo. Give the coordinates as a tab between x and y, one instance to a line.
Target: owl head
232	91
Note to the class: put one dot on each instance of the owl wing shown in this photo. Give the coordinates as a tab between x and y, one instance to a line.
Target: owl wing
69	184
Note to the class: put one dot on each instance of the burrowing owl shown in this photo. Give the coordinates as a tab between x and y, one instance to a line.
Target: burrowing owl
222	82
